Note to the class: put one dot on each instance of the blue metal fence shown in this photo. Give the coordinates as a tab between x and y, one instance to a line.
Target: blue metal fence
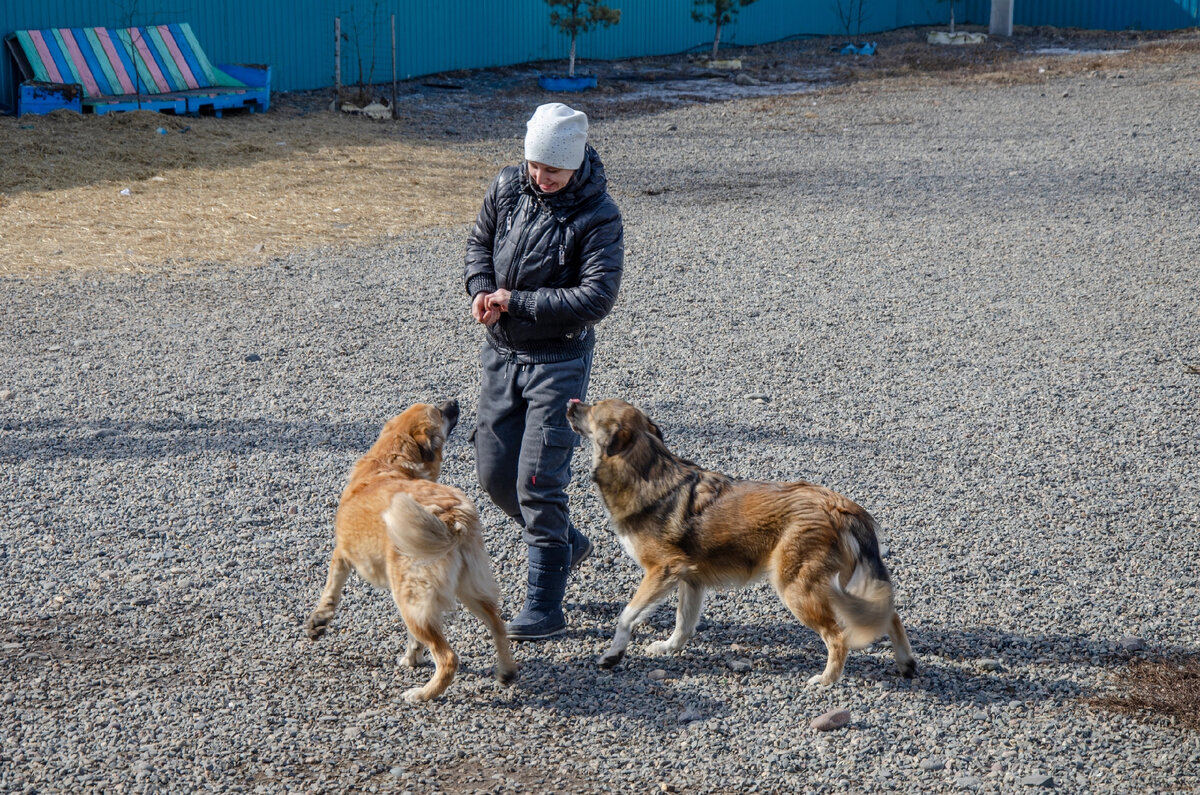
297	36
1096	14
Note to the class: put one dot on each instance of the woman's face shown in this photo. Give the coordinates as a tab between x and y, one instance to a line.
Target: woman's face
548	178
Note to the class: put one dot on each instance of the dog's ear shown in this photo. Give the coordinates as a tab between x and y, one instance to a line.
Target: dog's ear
426	445
654	429
619	442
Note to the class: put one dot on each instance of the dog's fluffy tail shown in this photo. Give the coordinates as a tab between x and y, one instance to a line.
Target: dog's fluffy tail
416	532
866	604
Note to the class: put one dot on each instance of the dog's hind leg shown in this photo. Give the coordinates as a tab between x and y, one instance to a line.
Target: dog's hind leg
489	613
655	586
813	609
691	601
445	661
477	590
906	663
339	570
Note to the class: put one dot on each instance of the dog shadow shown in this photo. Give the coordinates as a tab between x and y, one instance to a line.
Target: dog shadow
982	668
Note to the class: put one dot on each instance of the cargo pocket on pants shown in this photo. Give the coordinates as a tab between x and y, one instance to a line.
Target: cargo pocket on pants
554	459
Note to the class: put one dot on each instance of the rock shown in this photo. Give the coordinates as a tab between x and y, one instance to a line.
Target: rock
758	397
690	715
990	664
933	763
967	782
744	79
377	110
738	666
834	719
6	394
1131	643
254	357
1038	780
657	675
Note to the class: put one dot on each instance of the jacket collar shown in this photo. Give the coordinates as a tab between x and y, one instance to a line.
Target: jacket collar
588	182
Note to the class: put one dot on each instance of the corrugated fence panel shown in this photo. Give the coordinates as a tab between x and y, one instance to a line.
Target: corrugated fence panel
1096	14
296	36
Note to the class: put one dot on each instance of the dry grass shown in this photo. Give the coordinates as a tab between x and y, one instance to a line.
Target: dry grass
245	188
230	190
1168	688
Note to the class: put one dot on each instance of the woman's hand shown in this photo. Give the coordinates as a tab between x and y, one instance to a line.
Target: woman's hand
483	311
499	300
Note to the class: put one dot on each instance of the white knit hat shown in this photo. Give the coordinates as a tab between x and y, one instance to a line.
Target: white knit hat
556	135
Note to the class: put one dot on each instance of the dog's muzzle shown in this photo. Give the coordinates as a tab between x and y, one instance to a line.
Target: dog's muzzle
450	411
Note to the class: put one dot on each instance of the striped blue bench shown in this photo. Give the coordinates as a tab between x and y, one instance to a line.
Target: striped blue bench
156	67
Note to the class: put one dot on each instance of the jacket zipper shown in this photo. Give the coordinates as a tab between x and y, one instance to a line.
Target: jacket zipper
510	276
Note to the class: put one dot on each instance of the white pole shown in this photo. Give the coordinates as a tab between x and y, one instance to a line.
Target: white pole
1002	17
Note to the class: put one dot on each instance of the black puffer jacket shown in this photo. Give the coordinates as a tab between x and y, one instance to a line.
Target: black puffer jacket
561	254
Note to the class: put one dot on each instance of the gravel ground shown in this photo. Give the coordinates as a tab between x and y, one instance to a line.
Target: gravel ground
973	309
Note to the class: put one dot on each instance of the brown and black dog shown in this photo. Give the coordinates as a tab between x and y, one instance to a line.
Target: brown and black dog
693	529
401	529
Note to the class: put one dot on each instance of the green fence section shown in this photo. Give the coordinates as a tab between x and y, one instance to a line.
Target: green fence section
297	36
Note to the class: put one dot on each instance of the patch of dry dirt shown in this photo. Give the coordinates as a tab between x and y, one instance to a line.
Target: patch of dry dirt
140	190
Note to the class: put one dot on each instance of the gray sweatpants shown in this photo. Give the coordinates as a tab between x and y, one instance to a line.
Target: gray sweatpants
523	444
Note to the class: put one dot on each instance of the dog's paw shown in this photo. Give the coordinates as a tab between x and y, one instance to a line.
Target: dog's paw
610	658
908	668
412	658
416	695
818	680
316	626
505	676
660	648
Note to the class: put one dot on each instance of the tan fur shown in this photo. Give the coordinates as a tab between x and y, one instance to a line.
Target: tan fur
692	529
401	530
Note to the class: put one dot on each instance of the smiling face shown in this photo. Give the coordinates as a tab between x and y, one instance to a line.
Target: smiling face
548	178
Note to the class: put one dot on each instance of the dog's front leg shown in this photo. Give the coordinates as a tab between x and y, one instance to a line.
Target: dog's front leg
655	586
691	600
414	652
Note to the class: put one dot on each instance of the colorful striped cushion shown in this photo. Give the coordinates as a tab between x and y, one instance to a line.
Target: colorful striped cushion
157	59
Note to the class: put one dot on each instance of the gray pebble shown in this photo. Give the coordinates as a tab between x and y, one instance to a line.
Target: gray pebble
834	719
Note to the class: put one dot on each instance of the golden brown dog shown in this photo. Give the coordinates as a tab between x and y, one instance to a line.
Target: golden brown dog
693	529
402	530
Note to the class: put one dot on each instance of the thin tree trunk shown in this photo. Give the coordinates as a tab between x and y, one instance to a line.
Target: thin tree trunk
337	62
716	41
571	69
393	66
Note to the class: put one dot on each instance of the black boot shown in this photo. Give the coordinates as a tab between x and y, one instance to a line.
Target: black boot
581	547
542	615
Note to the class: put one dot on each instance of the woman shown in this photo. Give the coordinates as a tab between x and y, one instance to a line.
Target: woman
543	266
